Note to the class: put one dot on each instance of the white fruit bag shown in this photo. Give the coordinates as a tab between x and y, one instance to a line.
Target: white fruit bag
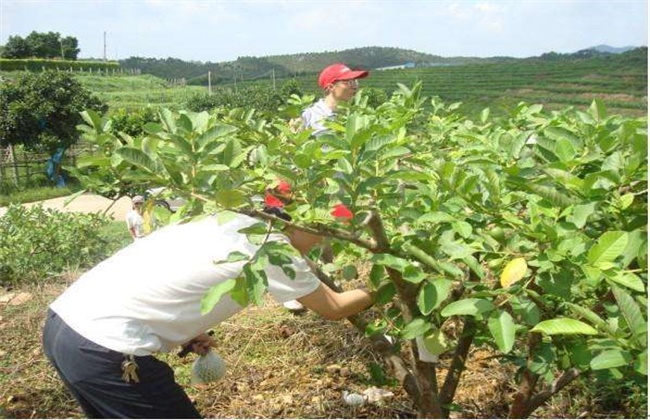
209	367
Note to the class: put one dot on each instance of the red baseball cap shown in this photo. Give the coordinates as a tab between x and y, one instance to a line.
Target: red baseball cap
335	72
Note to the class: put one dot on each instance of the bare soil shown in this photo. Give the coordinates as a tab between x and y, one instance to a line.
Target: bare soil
86	203
279	365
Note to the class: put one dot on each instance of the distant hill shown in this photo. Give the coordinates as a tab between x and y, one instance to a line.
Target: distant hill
611	50
291	65
248	68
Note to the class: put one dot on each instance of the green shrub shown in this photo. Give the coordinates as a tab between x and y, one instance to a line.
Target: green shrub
32	194
40	64
38	243
132	122
261	98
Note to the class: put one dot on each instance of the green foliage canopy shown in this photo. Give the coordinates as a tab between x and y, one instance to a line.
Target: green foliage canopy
41	111
38	243
41	45
442	206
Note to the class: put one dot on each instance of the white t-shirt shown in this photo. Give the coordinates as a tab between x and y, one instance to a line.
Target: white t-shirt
314	116
135	221
147	297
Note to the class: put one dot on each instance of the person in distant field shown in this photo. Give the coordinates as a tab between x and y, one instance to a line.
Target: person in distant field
339	84
102	334
134	219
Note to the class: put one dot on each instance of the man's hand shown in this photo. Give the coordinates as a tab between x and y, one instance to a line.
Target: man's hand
200	345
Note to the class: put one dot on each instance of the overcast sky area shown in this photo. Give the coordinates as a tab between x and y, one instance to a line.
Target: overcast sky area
216	31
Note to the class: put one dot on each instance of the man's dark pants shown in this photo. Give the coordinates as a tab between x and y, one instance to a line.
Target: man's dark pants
93	374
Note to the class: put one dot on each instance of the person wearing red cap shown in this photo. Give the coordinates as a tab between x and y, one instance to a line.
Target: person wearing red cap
340	83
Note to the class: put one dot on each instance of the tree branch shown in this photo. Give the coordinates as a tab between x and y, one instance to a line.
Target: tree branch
565	379
448	390
378	341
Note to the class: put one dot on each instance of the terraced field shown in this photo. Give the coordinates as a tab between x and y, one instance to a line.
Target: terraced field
621	81
133	92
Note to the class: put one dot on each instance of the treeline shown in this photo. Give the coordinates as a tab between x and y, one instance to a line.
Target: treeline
633	54
41	45
282	66
293	65
41	64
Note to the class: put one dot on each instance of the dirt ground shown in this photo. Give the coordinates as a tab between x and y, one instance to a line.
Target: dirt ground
86	203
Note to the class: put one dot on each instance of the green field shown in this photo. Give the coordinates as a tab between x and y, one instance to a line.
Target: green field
619	80
137	91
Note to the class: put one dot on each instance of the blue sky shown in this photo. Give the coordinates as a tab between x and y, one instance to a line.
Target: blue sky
210	30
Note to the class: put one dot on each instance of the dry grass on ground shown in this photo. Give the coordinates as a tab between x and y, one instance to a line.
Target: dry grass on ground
279	366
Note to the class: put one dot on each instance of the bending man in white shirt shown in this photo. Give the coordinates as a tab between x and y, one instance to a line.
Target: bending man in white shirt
119	314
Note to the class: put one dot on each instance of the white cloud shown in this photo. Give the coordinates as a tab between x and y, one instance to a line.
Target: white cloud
220	30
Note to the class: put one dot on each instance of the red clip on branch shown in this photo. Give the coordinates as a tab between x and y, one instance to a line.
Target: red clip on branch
341	211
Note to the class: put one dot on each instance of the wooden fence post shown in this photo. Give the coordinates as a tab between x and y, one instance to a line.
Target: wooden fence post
12	156
2	164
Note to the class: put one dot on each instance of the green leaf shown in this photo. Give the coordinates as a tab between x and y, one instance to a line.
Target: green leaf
589	315
609	246
551	194
580	214
139	158
631	312
234	256
378	142
432	294
464	229
471	306
435	342
449	268
258	228
214	295
416	328
230	198
436	217
503	330
385	294
485	114
641	363
182	144
611	359
255	281
564	150
413	274
626	201
349	272
232	152
342	165
167	118
629	280
391	261
598	110
564	326
427	298
377	274
92	118
493	185
87	161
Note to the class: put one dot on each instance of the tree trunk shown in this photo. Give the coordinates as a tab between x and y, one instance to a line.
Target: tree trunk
524	407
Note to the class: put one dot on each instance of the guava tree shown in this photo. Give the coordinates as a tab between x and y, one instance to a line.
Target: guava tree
40	111
526	235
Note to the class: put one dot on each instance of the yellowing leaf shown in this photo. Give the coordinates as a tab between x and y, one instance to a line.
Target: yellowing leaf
514	271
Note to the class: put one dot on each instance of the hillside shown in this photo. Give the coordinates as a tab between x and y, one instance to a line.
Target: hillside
248	68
